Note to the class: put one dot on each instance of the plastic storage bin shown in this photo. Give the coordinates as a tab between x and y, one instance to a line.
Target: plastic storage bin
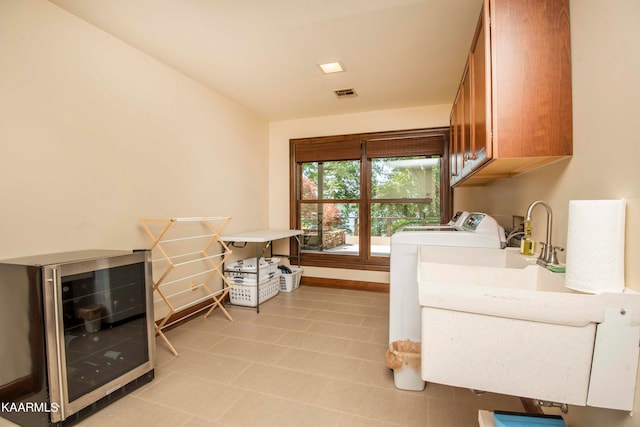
244	291
289	282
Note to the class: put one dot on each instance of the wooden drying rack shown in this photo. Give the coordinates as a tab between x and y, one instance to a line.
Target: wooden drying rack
200	258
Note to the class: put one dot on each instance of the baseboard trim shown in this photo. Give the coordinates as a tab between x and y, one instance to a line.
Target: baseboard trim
345	284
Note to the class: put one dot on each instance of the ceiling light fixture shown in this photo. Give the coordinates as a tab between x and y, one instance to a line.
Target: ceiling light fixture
332	67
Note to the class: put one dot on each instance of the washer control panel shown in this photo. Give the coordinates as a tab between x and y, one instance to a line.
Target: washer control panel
473	221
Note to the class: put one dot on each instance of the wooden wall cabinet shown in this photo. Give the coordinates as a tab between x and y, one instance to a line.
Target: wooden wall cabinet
513	111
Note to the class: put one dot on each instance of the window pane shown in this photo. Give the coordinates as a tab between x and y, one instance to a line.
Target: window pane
309	181
331	180
405	177
330	227
387	218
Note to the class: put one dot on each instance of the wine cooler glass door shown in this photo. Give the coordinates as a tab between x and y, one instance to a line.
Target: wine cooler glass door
102	332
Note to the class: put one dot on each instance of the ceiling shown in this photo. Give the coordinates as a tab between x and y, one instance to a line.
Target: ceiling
264	53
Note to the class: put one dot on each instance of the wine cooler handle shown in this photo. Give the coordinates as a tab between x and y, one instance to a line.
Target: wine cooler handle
60	351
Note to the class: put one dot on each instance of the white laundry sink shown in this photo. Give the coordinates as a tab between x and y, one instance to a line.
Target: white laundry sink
495	321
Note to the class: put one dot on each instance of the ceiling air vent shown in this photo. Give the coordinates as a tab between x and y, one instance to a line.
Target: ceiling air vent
345	93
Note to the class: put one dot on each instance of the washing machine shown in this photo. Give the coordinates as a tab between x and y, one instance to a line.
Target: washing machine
456	222
475	230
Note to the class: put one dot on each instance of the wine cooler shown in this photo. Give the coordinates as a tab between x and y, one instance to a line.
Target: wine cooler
76	333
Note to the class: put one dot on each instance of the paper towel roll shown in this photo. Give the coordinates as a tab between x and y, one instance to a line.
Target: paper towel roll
595	246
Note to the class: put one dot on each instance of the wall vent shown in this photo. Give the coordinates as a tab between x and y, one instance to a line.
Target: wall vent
345	93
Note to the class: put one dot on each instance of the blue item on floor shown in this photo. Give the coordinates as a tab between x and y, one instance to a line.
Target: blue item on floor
511	419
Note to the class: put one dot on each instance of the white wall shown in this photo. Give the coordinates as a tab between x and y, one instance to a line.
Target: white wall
282	131
605	41
95	134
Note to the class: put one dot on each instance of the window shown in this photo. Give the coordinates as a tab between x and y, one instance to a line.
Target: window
351	193
404	191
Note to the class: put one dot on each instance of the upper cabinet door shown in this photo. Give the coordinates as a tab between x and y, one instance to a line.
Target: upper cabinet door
531	78
466	118
453	144
459	135
480	66
516	90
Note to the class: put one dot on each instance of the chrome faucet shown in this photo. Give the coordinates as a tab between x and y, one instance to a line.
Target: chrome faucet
548	253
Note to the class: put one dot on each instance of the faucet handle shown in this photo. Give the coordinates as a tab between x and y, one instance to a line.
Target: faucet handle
542	259
543	256
543	246
554	254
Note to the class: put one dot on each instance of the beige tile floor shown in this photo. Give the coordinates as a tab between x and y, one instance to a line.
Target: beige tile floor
312	357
